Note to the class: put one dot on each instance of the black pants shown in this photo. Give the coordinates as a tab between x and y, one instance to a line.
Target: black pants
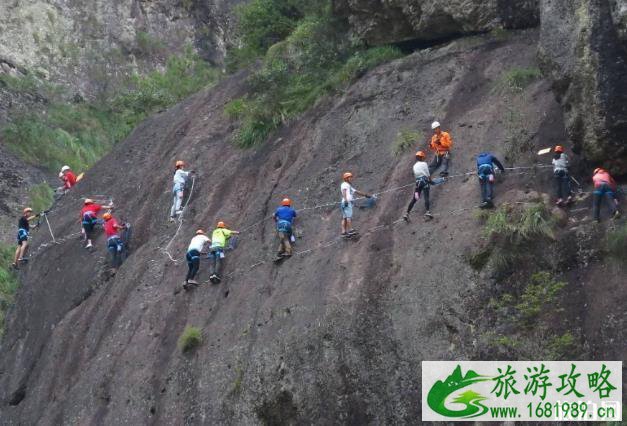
438	160
422	188
562	184
193	264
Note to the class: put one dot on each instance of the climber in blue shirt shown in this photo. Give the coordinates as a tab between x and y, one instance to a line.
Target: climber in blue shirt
485	169
284	218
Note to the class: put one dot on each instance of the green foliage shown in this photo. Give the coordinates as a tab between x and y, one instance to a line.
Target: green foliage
307	53
517	79
8	282
190	338
616	243
562	347
538	295
78	134
520	225
514	232
479	259
148	45
41	197
405	139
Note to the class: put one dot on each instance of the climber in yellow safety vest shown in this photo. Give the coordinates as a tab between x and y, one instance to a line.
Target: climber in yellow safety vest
219	238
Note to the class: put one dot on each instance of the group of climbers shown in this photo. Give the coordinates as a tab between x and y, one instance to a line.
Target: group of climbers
218	244
440	143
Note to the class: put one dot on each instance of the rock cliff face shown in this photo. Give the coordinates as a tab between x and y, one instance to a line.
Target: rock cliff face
333	335
582	52
381	21
90	45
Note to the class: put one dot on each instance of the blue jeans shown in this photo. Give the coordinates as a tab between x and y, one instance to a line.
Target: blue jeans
216	254
114	246
193	264
597	199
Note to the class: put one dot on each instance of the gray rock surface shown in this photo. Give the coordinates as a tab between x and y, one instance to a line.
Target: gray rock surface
582	54
386	21
89	46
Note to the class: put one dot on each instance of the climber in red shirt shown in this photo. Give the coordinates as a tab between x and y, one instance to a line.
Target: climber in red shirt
114	242
68	177
89	217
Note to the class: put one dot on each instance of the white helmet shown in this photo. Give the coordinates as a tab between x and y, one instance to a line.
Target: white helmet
64	168
435	125
61	175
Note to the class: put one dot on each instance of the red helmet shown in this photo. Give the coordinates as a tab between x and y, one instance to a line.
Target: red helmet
420	154
221	224
286	202
559	148
180	163
347	175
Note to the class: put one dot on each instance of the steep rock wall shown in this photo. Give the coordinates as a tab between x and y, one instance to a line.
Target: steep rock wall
379	21
582	54
89	46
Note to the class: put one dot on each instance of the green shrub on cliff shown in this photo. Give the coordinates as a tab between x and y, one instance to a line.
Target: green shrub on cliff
304	55
190	338
80	133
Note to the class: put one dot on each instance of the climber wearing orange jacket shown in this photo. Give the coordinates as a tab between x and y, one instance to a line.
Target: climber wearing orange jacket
441	144
604	185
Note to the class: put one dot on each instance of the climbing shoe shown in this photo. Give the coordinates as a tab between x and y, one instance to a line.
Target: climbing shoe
428	215
616	215
559	202
88	246
406	217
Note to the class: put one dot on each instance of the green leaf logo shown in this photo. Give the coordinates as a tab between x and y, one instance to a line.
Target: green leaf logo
470	399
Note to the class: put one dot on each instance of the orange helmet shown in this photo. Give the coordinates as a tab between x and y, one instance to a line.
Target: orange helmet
347	175
27	210
200	232
88	201
179	163
286	202
559	148
420	154
107	216
597	170
221	224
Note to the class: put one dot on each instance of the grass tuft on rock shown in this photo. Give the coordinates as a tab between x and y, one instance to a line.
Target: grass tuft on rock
190	338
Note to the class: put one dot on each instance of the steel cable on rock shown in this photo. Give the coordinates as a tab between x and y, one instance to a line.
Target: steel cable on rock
180	221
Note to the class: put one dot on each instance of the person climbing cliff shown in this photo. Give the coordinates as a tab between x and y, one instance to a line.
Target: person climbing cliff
178	186
219	238
423	182
604	186
89	218
194	250
485	170
348	195
284	218
68	178
441	144
23	229
561	176
114	242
